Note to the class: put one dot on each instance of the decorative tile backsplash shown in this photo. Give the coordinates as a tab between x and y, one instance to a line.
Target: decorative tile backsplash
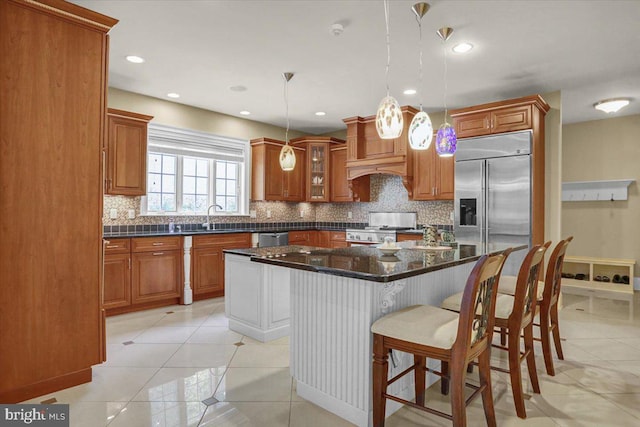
387	195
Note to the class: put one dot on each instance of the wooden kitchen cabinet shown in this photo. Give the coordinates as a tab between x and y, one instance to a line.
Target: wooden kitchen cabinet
332	239
52	125
433	175
142	272
117	273
319	166
506	119
341	190
403	237
208	262
509	116
268	180
303	237
126	153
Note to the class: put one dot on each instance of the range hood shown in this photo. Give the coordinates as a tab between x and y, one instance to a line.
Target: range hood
368	154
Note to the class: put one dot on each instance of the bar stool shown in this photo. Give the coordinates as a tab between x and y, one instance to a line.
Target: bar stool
455	339
547	304
513	315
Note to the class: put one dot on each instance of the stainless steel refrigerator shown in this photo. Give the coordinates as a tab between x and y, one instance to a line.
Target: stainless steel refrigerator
493	189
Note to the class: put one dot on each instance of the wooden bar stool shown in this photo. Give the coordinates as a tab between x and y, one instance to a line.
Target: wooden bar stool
547	304
514	314
455	339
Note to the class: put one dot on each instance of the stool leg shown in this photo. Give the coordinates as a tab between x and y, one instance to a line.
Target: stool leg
531	358
444	380
513	343
420	374
546	343
484	370
555	329
380	377
458	407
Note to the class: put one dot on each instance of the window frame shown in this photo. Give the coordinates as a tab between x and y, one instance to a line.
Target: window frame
183	143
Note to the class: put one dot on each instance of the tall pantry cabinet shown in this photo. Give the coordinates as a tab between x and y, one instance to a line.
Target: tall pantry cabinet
53	80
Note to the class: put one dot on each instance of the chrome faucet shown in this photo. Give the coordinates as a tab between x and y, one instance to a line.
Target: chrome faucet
207	225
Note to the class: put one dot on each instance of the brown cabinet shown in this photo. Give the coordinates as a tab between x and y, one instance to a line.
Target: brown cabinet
332	239
268	180
433	175
507	119
52	122
208	262
403	237
142	272
508	116
303	237
358	190
126	154
155	276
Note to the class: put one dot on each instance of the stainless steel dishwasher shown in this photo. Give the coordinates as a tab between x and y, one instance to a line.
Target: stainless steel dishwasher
273	239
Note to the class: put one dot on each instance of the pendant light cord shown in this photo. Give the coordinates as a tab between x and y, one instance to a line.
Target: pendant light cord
420	72
444	50
286	103
386	20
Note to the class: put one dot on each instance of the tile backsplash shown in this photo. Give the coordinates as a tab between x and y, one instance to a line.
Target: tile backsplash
387	195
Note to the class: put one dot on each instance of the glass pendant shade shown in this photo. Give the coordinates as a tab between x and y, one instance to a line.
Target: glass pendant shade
287	158
389	121
420	131
446	140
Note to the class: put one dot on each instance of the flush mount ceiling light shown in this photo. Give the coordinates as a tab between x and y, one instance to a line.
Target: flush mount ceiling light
245	112
420	129
389	122
173	95
611	105
463	47
320	113
446	139
135	59
410	92
287	155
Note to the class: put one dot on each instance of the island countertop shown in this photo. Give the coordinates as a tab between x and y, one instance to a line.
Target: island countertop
367	262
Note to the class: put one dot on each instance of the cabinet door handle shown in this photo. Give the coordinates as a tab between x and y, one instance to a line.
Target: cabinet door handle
129	263
157	243
157	253
106	242
486	123
112	246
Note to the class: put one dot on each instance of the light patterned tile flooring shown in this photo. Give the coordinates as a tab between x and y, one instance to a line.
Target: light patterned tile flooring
180	359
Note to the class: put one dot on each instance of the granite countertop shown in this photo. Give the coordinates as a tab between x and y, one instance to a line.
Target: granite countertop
367	262
120	235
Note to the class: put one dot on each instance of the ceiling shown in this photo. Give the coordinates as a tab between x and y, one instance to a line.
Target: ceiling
590	50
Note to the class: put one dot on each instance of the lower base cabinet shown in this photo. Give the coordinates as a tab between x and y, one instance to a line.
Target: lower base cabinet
155	276
208	262
117	280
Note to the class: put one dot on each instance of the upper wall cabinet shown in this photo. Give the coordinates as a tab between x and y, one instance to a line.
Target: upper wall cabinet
343	189
126	153
319	169
268	180
433	176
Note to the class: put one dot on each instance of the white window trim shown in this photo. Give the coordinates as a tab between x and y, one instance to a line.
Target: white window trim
174	140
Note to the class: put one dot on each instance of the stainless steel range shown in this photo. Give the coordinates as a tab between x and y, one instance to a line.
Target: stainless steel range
381	225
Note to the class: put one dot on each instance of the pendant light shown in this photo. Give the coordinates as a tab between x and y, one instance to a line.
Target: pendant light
287	155
420	129
389	120
446	139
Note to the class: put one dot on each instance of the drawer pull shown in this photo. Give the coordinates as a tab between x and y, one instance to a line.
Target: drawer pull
158	253
112	246
158	243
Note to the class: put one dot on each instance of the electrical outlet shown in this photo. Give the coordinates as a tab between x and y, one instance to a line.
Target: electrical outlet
131	214
268	213
350	215
252	214
452	216
113	213
301	214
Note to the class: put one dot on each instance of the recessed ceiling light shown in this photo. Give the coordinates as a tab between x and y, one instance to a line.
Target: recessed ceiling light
238	88
463	47
135	59
320	113
611	105
173	95
410	92
245	112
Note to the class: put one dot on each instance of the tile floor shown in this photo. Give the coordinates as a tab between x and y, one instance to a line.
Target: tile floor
182	366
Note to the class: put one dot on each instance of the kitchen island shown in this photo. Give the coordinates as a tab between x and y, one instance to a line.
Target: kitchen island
336	294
